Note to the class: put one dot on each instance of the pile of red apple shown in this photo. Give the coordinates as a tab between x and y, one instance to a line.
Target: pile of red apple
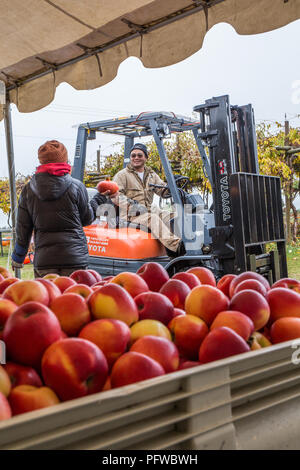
68	337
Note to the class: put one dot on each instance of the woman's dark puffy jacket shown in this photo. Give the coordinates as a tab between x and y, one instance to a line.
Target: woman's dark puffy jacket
55	208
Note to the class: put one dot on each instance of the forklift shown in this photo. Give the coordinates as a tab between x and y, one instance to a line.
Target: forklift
232	235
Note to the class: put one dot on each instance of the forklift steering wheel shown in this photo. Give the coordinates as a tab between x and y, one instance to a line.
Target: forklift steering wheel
181	183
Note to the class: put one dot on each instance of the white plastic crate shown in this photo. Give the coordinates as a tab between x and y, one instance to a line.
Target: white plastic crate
250	401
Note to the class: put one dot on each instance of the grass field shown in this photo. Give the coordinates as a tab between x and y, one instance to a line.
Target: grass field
293	259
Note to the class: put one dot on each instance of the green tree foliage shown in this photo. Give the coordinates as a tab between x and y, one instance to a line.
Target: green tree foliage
21	180
278	163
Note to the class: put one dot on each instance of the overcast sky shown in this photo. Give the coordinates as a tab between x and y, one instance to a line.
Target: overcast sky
260	69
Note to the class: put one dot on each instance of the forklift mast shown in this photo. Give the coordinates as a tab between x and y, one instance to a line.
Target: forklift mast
247	206
229	132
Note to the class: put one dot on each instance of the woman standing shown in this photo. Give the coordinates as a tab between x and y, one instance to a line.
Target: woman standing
55	207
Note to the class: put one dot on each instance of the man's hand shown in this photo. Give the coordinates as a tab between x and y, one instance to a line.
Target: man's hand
115	198
16	265
105	193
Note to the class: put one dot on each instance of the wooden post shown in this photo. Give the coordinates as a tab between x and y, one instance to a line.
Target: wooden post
288	190
11	173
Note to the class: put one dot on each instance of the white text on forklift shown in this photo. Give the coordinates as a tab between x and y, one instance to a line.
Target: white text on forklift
296	354
153	459
188	221
2	352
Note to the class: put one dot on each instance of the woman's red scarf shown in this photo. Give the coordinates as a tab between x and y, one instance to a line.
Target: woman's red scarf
57	169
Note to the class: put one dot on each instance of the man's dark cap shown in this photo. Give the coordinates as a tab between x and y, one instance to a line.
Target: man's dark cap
140	147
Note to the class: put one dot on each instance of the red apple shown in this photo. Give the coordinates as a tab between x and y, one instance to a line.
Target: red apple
113	301
188	333
80	289
237	321
5	383
7	282
74	367
5	410
24	398
283	303
132	282
52	289
262	339
285	329
186	364
177	312
155	306
254	344
154	274
82	276
111	336
22	375
107	385
206	302
29	331
63	282
5	273
133	367
286	282
149	327
252	304
96	275
224	283
220	343
204	275
97	285
160	349
247	275
51	276
251	284
72	312
27	291
7	307
177	291
189	278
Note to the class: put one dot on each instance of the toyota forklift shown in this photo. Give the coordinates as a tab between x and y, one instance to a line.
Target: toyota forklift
229	237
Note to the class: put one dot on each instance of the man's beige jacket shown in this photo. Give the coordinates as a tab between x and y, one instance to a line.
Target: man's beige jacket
131	185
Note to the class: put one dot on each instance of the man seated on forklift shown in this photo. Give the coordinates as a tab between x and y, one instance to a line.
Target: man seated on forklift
134	182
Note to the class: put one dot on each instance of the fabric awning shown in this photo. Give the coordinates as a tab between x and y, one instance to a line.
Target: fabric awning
46	42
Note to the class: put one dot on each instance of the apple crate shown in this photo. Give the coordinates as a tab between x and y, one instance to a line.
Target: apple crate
249	401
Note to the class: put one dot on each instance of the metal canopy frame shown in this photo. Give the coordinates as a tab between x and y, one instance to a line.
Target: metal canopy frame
136	30
157	124
140	125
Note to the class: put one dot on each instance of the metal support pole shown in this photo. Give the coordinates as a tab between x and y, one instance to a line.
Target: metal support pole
80	154
11	173
129	141
203	156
